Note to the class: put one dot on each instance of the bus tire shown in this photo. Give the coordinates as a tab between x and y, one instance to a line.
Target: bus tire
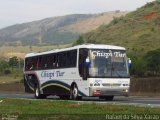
108	98
64	97
74	92
37	93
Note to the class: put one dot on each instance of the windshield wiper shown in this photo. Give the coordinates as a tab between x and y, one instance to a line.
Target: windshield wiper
119	75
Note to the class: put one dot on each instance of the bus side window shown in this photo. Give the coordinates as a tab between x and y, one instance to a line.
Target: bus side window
27	64
83	54
71	58
54	61
62	60
68	60
35	62
49	62
39	66
42	63
30	64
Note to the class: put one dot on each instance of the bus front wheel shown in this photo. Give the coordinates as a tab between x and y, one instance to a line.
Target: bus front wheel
64	97
107	98
74	92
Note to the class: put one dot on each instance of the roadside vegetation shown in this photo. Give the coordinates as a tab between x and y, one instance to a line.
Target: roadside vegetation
147	65
51	109
20	51
11	70
137	30
139	33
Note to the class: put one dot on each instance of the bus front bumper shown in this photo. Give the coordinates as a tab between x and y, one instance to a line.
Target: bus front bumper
103	91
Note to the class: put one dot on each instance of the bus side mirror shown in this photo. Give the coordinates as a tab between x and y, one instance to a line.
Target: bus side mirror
86	68
129	63
87	63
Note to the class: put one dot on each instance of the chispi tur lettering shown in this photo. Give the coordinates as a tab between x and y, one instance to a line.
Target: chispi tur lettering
107	54
47	74
52	74
102	54
119	54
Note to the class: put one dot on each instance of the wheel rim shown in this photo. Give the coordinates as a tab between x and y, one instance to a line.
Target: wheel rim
75	92
37	92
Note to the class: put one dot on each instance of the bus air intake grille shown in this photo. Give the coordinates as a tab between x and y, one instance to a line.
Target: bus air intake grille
111	84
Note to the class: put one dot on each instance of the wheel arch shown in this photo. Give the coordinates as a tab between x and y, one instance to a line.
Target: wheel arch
32	80
74	83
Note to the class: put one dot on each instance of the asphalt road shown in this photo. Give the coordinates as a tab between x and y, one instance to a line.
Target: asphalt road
132	100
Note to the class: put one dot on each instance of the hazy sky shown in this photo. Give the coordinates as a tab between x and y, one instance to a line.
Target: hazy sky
19	11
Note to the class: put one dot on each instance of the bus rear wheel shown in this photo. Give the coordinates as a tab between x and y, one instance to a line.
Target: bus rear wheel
37	93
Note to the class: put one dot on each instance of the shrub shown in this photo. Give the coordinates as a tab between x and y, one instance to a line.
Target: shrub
6	72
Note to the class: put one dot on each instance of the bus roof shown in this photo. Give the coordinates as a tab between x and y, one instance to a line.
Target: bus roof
89	46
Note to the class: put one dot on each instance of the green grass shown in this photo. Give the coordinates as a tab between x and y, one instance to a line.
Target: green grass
41	109
26	49
9	79
20	51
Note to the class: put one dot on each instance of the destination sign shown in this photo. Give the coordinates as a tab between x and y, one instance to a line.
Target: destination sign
98	53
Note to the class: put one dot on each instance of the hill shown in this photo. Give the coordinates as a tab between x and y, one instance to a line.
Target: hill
42	31
94	22
138	31
56	30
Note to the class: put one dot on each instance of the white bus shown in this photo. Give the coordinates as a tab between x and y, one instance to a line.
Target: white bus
84	70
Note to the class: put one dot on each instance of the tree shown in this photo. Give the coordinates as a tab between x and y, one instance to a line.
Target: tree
80	40
3	65
13	62
158	1
21	63
139	66
153	61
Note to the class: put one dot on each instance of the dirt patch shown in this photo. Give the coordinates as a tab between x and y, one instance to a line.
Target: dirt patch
12	88
150	16
12	54
73	106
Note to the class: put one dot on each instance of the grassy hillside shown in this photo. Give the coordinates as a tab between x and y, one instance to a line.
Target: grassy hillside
94	22
56	30
42	31
138	31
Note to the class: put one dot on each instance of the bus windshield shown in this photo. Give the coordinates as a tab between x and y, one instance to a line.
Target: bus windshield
108	63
